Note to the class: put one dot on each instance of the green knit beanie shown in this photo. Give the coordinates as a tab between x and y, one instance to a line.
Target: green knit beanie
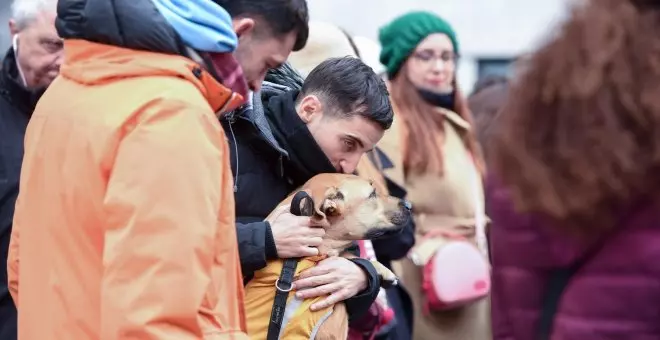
399	38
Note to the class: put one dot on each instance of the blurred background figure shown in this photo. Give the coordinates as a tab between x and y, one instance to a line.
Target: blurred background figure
436	159
574	186
493	32
486	82
30	64
485	102
325	41
36	46
369	51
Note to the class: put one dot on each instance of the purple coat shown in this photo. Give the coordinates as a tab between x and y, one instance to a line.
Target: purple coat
615	295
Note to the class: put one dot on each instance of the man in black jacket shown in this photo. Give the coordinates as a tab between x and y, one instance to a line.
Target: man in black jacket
387	249
285	136
27	68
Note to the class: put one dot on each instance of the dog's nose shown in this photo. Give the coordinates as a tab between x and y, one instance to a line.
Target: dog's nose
405	205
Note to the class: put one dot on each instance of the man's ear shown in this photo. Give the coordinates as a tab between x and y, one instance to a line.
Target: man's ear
13	27
310	106
243	26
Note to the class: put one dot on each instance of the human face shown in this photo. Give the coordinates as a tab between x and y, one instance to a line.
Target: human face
344	140
258	50
39	50
432	66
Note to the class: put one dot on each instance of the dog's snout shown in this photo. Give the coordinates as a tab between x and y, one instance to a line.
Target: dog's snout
405	205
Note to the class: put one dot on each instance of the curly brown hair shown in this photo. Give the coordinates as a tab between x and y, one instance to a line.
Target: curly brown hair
579	138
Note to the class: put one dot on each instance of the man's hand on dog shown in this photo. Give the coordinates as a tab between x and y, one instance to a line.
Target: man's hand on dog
294	235
337	277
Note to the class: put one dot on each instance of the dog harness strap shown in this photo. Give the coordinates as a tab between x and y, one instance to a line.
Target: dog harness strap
285	283
559	280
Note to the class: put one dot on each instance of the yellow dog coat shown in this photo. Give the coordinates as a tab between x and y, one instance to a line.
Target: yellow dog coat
299	321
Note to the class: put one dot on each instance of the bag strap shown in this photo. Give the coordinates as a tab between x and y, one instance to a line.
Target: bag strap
559	280
561	277
480	222
284	283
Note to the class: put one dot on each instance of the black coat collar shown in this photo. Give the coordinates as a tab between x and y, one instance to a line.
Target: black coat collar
306	159
12	88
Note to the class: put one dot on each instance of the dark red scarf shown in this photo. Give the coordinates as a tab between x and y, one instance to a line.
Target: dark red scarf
229	72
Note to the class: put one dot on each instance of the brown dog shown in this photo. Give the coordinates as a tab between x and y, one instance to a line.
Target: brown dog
349	208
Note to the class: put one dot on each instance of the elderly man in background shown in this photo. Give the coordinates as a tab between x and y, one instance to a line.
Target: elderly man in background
27	69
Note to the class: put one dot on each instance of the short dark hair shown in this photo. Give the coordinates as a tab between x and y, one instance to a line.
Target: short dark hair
349	87
281	16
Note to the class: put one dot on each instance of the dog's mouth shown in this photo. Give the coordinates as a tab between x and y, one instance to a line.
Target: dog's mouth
401	216
399	219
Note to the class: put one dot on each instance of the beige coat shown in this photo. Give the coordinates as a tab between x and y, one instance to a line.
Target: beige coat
452	202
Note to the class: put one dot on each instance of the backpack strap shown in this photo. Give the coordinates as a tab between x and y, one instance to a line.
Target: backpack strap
559	280
284	284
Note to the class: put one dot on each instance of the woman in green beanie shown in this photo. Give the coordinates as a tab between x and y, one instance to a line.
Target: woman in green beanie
437	160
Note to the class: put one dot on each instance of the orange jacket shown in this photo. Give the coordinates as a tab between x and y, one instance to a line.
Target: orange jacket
124	226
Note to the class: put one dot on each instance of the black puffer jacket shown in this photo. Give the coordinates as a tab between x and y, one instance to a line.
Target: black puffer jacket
273	153
16	106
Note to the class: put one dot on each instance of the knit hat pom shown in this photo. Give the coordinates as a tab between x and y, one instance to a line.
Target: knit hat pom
400	37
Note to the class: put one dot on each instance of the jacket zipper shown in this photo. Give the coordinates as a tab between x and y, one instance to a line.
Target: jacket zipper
231	119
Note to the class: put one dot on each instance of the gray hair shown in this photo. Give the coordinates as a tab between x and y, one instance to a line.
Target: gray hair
24	12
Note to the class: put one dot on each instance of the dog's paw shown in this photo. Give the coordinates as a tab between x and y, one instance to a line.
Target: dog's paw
387	277
389	282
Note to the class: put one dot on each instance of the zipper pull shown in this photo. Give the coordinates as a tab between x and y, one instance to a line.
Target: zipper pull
281	166
231	117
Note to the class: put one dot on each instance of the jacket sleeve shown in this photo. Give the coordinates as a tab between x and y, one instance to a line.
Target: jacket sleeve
397	246
359	304
8	243
255	245
12	265
162	207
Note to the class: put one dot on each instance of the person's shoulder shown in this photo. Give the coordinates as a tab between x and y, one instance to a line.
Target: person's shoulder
270	90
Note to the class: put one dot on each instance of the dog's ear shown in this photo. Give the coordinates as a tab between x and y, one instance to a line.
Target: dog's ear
333	202
307	207
330	207
328	203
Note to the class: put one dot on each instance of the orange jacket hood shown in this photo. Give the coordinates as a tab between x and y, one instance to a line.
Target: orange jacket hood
90	63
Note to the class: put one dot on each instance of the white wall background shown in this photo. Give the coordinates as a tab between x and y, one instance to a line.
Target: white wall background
4	27
485	28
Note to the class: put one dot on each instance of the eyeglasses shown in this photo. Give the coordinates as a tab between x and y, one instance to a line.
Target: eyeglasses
428	56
